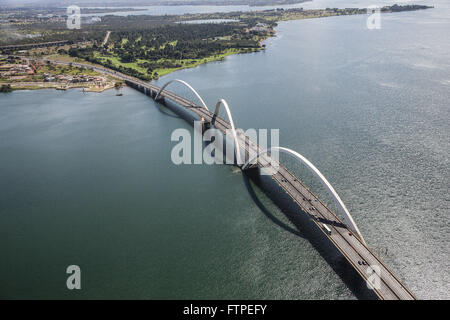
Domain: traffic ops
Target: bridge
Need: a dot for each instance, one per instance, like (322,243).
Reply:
(32,45)
(343,234)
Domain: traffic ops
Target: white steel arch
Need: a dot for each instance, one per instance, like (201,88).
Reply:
(233,129)
(186,85)
(347,217)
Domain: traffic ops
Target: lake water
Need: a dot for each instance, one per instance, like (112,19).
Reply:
(87,179)
(170,10)
(315,4)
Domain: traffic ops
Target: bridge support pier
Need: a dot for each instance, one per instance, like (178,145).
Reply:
(205,125)
(160,99)
(252,172)
(250,169)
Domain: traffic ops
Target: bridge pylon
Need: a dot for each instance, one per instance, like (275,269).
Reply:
(159,98)
(205,125)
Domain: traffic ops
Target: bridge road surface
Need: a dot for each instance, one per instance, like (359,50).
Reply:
(351,247)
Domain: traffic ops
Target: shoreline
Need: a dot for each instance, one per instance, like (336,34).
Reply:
(286,16)
(271,21)
(220,57)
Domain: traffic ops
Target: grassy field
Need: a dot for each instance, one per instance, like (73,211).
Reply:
(116,62)
(58,86)
(67,58)
(66,70)
(51,69)
(191,63)
(185,63)
(23,81)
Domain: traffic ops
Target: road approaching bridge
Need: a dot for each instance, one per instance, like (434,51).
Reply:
(386,286)
(105,41)
(27,46)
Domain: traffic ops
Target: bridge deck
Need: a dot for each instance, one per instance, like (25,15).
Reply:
(351,247)
(33,45)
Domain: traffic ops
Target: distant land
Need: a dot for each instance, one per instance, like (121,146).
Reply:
(141,46)
(120,3)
